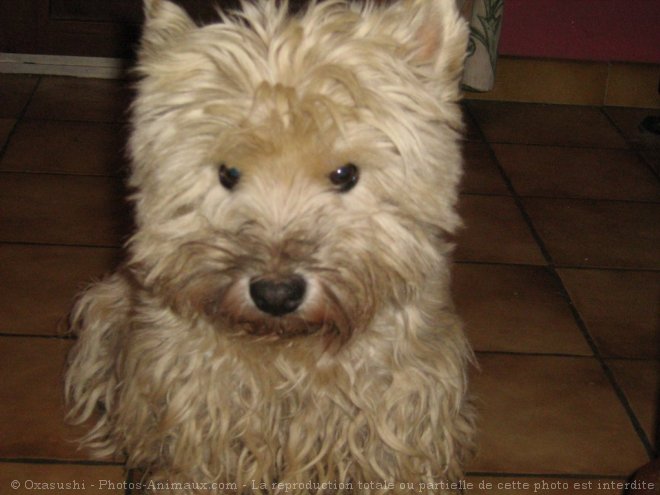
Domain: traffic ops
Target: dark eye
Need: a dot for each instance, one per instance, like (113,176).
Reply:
(345,177)
(229,176)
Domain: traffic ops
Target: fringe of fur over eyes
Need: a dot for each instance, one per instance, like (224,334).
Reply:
(175,386)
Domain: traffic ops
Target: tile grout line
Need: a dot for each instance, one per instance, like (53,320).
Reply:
(45,460)
(558,146)
(102,123)
(58,336)
(108,123)
(567,198)
(19,118)
(128,479)
(534,354)
(608,477)
(515,197)
(120,176)
(566,355)
(609,374)
(608,83)
(560,267)
(630,146)
(62,245)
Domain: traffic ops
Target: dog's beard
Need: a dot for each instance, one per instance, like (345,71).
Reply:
(323,314)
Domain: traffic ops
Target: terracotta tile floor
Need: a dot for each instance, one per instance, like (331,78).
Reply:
(557,278)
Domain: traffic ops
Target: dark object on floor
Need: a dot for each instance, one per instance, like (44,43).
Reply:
(651,124)
(647,480)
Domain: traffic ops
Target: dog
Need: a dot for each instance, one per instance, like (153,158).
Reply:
(282,322)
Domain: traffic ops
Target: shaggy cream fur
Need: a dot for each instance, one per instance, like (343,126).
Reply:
(362,387)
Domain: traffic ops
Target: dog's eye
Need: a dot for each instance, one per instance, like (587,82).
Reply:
(229,176)
(345,177)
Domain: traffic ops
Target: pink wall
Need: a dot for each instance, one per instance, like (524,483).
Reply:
(599,30)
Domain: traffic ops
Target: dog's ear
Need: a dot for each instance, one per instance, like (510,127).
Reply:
(164,23)
(434,37)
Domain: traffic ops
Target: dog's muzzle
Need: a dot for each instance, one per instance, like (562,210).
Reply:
(278,296)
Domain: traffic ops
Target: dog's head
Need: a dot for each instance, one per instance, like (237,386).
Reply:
(294,174)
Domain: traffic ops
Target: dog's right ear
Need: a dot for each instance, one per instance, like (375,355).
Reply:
(164,24)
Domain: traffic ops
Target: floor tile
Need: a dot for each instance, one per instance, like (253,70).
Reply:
(640,381)
(55,209)
(629,120)
(652,157)
(495,231)
(31,400)
(67,147)
(558,125)
(481,173)
(64,98)
(520,485)
(598,233)
(515,309)
(49,276)
(15,92)
(548,414)
(6,125)
(632,85)
(472,132)
(619,308)
(62,478)
(577,172)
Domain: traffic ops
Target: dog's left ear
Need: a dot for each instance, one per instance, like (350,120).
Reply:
(434,37)
(164,24)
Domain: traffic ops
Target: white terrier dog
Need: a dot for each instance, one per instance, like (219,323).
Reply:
(283,321)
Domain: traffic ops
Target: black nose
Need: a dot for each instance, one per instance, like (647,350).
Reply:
(278,296)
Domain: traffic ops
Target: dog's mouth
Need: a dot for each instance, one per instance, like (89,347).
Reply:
(320,314)
(278,327)
(295,325)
